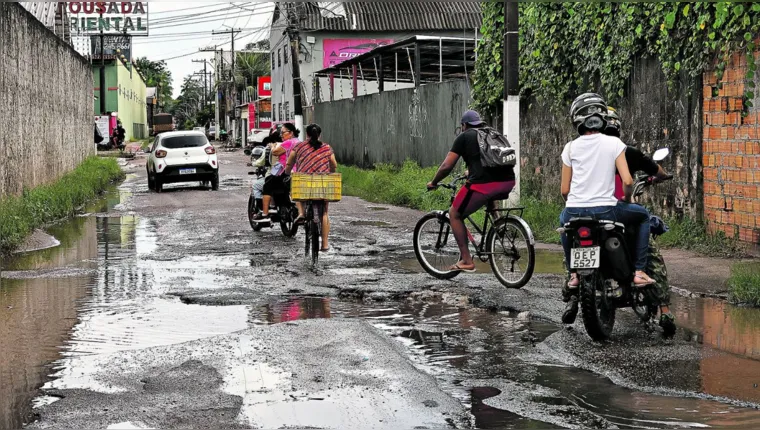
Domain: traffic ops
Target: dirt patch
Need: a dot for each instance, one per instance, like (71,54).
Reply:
(37,241)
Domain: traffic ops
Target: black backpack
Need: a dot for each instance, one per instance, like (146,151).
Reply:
(495,150)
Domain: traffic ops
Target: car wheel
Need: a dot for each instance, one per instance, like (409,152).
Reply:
(157,184)
(215,182)
(151,184)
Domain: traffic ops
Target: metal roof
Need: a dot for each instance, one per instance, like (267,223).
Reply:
(386,15)
(44,11)
(441,58)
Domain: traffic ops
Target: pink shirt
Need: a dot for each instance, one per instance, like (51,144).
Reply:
(288,146)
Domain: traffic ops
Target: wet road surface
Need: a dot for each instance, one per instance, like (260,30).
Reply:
(168,311)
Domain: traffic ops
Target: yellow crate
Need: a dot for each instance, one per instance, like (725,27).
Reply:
(316,187)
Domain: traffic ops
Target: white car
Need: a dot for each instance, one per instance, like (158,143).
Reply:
(257,135)
(182,156)
(201,129)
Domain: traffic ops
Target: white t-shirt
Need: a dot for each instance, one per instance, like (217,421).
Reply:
(592,158)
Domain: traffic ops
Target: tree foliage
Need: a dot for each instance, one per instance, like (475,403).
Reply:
(158,75)
(570,47)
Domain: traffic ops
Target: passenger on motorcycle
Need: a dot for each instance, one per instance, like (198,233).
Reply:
(589,164)
(259,159)
(483,185)
(313,156)
(639,162)
(273,184)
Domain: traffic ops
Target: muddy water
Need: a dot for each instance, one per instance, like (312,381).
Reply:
(96,293)
(466,349)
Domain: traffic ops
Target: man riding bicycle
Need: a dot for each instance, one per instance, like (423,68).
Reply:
(485,185)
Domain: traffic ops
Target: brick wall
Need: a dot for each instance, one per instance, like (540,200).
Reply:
(731,152)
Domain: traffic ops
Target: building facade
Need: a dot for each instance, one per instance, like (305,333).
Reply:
(126,94)
(330,32)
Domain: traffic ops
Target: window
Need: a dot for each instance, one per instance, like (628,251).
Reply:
(274,65)
(285,54)
(279,111)
(279,58)
(287,111)
(184,142)
(274,115)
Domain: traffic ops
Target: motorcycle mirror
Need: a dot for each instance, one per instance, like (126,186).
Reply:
(661,154)
(247,152)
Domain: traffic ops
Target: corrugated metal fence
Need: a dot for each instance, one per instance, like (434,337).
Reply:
(393,126)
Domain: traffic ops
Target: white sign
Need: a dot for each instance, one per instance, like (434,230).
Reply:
(103,123)
(91,18)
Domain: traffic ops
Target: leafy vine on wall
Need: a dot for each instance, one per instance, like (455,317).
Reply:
(570,47)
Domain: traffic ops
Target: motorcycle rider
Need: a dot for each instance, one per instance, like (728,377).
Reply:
(589,165)
(270,143)
(639,162)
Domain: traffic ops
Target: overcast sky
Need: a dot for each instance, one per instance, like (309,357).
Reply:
(201,18)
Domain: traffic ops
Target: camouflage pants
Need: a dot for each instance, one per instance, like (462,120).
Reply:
(655,269)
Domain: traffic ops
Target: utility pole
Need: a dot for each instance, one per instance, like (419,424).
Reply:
(512,85)
(217,60)
(231,91)
(102,74)
(295,41)
(205,82)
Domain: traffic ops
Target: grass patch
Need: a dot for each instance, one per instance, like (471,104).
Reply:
(19,216)
(405,186)
(744,284)
(686,233)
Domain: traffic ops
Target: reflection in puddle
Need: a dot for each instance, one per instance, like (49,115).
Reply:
(735,332)
(455,343)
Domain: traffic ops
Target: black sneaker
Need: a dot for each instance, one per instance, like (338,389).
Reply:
(571,311)
(668,324)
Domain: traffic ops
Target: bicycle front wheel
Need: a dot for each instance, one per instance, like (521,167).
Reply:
(435,246)
(513,258)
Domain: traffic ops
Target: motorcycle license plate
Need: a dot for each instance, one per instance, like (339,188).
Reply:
(186,171)
(585,258)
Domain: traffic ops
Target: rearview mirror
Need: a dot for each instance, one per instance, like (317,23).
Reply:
(661,154)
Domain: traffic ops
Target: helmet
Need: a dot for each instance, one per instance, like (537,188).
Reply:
(257,152)
(589,112)
(613,123)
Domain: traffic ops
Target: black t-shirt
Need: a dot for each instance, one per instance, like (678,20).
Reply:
(638,162)
(466,146)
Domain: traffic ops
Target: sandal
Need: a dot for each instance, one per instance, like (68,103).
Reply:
(647,281)
(324,250)
(458,268)
(300,220)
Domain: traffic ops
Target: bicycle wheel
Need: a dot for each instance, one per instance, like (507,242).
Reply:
(435,247)
(513,258)
(316,232)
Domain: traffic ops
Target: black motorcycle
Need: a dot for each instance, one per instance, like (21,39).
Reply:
(284,211)
(603,254)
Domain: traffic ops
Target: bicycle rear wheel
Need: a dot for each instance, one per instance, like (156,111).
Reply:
(513,258)
(316,232)
(435,246)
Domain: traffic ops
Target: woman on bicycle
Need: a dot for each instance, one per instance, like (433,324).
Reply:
(273,183)
(313,157)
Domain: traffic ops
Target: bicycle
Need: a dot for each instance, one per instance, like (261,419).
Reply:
(313,228)
(503,232)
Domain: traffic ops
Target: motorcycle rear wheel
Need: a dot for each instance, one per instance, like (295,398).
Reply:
(253,209)
(597,310)
(287,219)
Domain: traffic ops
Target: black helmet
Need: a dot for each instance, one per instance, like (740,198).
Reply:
(613,123)
(588,112)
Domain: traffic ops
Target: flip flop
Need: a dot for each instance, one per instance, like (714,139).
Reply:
(325,250)
(646,284)
(457,268)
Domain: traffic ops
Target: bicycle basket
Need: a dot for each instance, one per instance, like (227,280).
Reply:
(316,187)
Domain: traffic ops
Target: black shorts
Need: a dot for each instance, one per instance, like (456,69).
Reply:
(273,185)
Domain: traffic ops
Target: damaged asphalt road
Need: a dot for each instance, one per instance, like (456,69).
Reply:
(196,321)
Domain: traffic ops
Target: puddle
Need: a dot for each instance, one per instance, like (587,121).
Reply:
(365,223)
(457,344)
(547,262)
(94,294)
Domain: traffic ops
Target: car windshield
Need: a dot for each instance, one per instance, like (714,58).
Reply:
(183,142)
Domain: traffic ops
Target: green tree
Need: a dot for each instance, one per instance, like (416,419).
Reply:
(157,75)
(249,66)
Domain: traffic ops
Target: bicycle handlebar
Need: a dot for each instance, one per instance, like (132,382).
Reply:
(451,185)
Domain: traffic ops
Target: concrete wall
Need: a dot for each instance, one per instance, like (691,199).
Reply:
(393,126)
(732,152)
(652,118)
(45,103)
